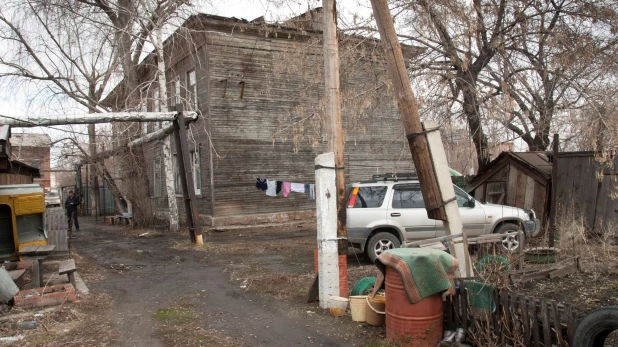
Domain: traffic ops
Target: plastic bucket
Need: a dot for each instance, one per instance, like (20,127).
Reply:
(375,313)
(358,308)
(338,306)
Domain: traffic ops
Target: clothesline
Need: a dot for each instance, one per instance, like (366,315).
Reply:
(273,188)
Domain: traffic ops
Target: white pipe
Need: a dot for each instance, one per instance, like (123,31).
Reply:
(92,118)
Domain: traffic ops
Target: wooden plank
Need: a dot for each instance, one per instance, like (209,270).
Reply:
(45,249)
(522,247)
(521,189)
(534,321)
(546,323)
(525,319)
(464,308)
(568,269)
(16,274)
(516,323)
(557,323)
(28,250)
(511,186)
(66,266)
(529,192)
(571,321)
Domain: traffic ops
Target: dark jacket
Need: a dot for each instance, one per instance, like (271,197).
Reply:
(71,203)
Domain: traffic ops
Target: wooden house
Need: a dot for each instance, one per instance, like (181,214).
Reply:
(259,88)
(520,179)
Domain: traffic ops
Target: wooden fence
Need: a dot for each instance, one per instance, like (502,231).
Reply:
(512,319)
(585,187)
(56,227)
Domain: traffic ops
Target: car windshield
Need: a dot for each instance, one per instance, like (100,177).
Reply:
(51,195)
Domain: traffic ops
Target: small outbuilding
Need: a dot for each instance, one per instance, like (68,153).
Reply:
(520,179)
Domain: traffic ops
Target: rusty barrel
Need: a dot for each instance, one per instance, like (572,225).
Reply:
(416,325)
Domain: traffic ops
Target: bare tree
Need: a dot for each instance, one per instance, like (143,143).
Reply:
(86,47)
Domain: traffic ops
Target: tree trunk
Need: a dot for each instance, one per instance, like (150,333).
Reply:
(472,111)
(92,177)
(167,148)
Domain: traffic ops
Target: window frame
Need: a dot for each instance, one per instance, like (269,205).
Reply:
(157,187)
(192,90)
(196,170)
(402,187)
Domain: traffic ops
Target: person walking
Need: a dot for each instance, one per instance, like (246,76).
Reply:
(71,206)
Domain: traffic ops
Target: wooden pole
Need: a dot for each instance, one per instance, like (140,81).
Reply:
(188,189)
(554,181)
(333,114)
(408,109)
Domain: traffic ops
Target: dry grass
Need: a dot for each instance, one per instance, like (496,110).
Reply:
(181,325)
(78,324)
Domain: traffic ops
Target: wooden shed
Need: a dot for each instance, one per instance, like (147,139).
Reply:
(520,179)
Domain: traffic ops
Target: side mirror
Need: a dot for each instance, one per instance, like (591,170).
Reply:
(471,202)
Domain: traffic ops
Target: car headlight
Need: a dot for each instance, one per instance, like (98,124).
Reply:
(530,213)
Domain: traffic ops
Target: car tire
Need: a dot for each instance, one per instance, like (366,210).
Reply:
(381,242)
(596,326)
(511,243)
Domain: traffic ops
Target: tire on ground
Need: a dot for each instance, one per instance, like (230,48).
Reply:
(596,326)
(381,237)
(363,285)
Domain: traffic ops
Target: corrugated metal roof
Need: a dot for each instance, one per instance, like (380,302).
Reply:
(30,140)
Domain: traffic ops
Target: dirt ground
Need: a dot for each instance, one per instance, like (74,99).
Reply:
(244,287)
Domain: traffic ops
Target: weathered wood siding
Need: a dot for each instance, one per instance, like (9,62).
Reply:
(56,227)
(267,119)
(587,189)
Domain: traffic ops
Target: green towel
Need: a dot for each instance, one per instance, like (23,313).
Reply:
(424,271)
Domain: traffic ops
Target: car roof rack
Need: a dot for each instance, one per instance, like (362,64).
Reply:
(396,176)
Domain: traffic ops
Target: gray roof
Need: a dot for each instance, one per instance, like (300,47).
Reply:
(30,140)
(5,132)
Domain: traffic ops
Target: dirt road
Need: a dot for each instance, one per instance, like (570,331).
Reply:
(245,287)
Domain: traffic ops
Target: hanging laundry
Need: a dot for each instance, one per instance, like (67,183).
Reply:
(312,191)
(286,189)
(279,186)
(260,184)
(307,186)
(271,189)
(297,187)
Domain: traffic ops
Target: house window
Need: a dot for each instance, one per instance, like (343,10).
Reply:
(192,90)
(157,177)
(177,181)
(195,169)
(177,91)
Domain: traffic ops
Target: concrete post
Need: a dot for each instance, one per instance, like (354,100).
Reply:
(452,224)
(326,211)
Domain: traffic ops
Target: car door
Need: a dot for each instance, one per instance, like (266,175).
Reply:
(471,213)
(407,211)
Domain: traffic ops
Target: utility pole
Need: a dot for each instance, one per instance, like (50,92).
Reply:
(335,134)
(436,187)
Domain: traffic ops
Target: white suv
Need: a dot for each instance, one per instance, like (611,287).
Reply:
(385,212)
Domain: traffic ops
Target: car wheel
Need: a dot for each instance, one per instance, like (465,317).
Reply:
(594,329)
(511,242)
(381,242)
